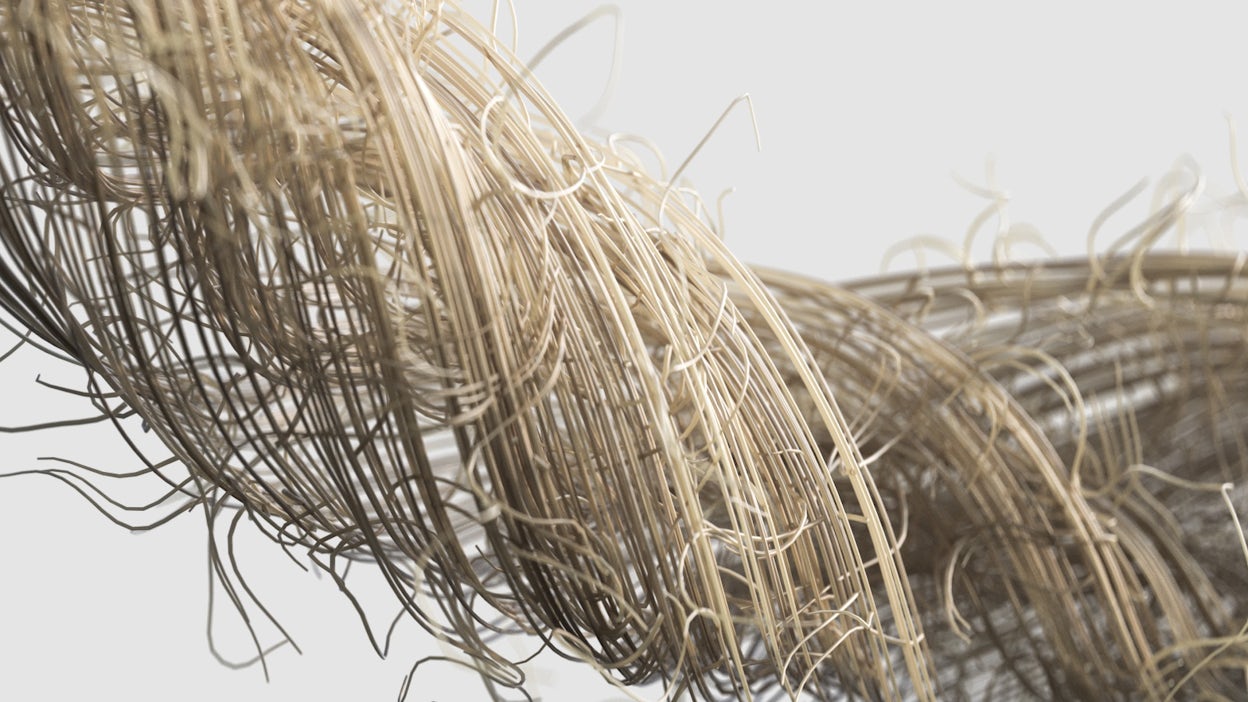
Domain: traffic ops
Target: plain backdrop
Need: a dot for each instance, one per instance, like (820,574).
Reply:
(865,111)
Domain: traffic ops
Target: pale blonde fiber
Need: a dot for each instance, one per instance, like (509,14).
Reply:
(367,282)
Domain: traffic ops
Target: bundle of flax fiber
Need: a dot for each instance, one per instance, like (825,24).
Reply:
(367,283)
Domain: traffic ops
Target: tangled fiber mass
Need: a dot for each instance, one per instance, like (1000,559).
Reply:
(371,288)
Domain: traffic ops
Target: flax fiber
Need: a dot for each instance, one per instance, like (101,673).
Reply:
(371,288)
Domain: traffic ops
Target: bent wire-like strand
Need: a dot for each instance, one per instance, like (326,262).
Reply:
(370,287)
(361,285)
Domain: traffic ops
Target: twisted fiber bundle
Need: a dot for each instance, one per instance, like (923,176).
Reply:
(362,277)
(1057,387)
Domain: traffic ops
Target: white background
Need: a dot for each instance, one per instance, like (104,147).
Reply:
(865,111)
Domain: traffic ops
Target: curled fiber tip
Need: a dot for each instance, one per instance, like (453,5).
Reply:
(373,291)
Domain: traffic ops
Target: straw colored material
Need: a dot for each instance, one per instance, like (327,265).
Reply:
(368,284)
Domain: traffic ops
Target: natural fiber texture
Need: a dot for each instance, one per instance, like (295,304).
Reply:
(362,277)
(1061,457)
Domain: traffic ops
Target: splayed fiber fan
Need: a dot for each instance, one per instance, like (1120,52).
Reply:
(365,281)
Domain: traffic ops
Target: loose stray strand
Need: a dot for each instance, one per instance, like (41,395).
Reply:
(376,296)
